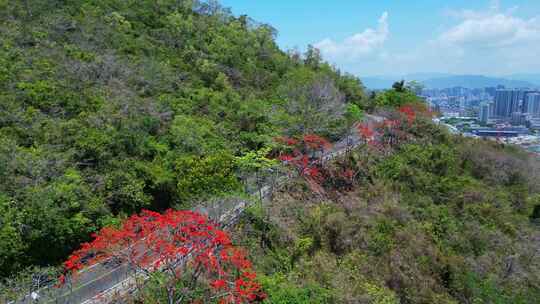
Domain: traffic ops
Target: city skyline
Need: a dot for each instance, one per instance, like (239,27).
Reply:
(494,38)
(491,106)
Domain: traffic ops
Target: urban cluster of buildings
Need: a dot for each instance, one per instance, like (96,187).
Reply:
(509,115)
(517,106)
(491,106)
(458,101)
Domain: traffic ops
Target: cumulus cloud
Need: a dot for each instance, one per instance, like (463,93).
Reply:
(357,45)
(495,40)
(491,29)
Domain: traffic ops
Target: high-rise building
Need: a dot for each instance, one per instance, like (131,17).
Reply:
(491,91)
(519,118)
(462,103)
(483,114)
(531,104)
(524,97)
(508,102)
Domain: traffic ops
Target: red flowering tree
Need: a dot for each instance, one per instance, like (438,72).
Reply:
(366,132)
(305,156)
(387,134)
(409,112)
(378,135)
(392,133)
(184,247)
(414,110)
(286,140)
(316,143)
(381,136)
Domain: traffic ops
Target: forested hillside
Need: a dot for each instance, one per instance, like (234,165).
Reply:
(415,215)
(107,107)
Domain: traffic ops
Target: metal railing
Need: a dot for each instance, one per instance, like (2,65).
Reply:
(104,280)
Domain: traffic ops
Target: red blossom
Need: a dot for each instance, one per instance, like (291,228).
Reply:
(222,238)
(316,142)
(218,284)
(348,173)
(390,124)
(286,140)
(61,281)
(409,112)
(313,173)
(156,242)
(286,158)
(366,132)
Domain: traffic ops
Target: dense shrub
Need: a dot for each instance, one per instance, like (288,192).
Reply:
(432,219)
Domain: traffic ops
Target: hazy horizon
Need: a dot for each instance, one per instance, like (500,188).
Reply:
(442,74)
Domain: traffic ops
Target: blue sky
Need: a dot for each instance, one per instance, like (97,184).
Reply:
(396,37)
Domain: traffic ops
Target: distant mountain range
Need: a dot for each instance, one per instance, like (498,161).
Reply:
(441,81)
(533,78)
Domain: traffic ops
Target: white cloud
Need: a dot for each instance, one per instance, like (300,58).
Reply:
(495,40)
(492,29)
(357,45)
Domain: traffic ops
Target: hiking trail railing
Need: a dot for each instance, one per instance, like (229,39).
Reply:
(105,281)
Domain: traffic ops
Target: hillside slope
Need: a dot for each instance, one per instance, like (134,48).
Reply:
(432,218)
(108,107)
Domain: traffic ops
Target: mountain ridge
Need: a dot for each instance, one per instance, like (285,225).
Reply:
(448,80)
